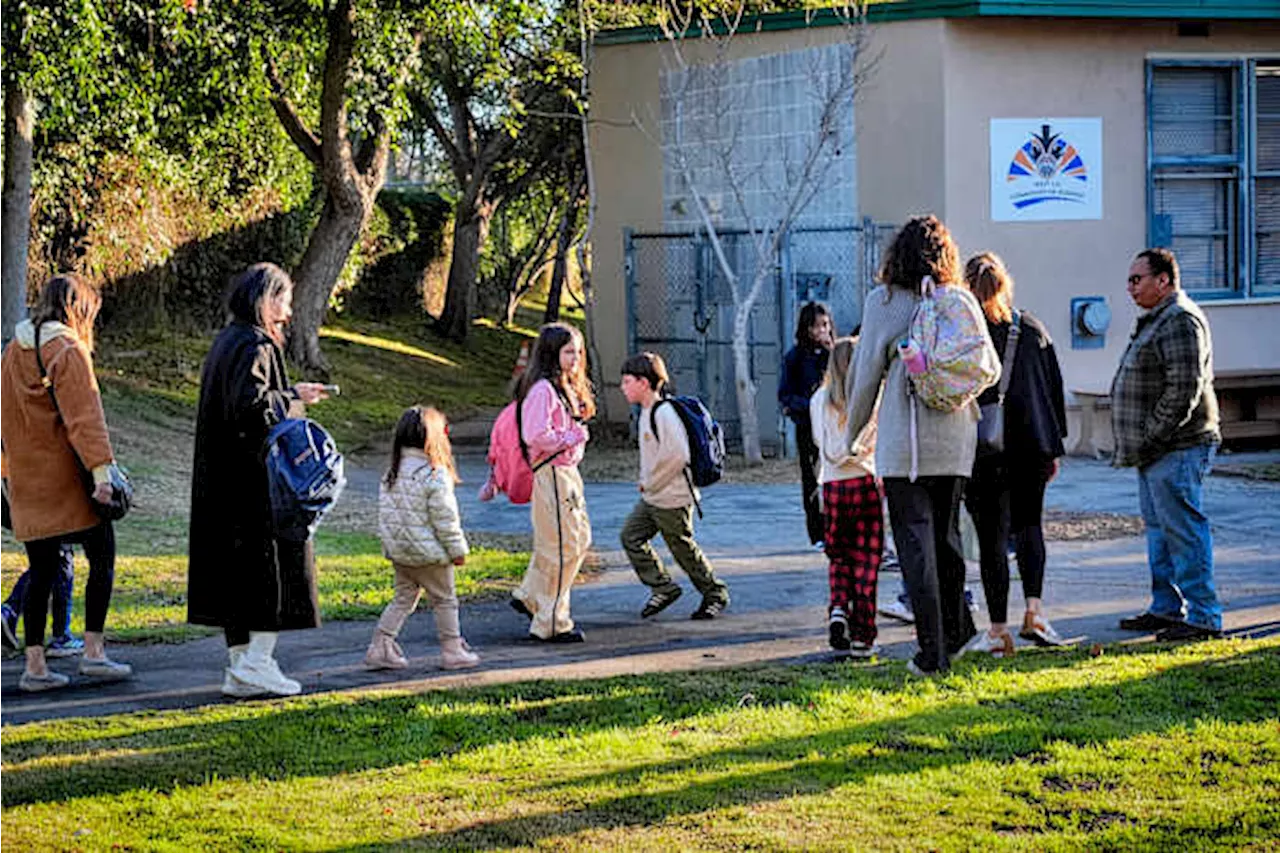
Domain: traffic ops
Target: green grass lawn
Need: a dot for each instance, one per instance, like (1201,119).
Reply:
(1142,748)
(149,603)
(382,369)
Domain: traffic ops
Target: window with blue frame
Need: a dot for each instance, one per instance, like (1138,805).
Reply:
(1213,172)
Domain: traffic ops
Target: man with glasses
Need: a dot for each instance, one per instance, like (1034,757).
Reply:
(1164,415)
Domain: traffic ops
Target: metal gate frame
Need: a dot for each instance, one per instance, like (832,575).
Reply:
(783,298)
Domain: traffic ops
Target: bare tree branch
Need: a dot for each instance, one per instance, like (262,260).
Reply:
(294,127)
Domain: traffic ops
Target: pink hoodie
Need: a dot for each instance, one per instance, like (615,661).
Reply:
(547,426)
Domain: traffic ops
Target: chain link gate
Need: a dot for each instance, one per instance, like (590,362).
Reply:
(680,306)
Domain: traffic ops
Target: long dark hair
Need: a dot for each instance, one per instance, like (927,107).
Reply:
(422,428)
(72,301)
(544,363)
(923,247)
(809,315)
(991,284)
(252,289)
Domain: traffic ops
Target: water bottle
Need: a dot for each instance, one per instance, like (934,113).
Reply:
(912,356)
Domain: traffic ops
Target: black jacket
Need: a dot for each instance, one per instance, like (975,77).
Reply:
(802,372)
(239,574)
(1035,417)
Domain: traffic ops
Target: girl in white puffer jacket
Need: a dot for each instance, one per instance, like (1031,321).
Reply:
(422,536)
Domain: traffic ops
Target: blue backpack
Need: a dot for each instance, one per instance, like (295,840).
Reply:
(304,476)
(706,441)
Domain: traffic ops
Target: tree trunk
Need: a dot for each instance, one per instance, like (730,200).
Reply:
(745,385)
(559,272)
(327,251)
(470,229)
(15,218)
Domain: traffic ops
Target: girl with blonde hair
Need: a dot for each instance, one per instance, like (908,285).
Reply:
(853,525)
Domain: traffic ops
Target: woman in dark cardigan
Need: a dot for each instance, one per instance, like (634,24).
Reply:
(803,368)
(1006,492)
(241,577)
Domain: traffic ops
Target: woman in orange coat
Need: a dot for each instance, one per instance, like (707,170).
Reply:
(44,449)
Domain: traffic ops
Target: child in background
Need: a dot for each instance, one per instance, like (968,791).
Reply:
(801,374)
(667,496)
(422,536)
(854,525)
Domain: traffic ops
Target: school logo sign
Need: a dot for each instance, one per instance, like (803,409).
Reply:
(1046,169)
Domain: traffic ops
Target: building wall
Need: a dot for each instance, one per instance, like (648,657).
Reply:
(1066,68)
(628,165)
(922,143)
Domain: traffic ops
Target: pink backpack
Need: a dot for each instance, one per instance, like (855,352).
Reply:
(510,472)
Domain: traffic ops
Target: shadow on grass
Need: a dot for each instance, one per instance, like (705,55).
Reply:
(324,737)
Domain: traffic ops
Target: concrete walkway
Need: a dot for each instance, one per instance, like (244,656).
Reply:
(755,537)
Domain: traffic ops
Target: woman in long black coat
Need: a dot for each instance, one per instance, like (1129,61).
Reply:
(241,577)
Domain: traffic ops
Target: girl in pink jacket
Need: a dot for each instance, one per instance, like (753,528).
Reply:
(555,402)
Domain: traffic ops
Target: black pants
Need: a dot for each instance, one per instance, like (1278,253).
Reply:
(45,557)
(809,479)
(1006,497)
(925,516)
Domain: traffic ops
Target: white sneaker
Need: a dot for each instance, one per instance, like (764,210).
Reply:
(237,689)
(898,610)
(51,680)
(265,675)
(105,667)
(999,646)
(1037,629)
(863,651)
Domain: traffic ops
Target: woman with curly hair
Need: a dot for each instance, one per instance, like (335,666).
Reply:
(924,509)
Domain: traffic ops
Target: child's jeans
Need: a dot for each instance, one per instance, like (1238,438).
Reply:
(60,601)
(410,583)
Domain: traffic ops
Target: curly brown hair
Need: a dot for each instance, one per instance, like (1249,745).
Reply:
(923,247)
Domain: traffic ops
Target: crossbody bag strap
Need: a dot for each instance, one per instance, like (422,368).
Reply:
(44,375)
(1010,354)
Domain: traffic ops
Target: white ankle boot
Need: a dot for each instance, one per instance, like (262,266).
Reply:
(456,654)
(257,671)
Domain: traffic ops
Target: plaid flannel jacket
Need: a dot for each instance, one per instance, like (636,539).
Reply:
(1162,396)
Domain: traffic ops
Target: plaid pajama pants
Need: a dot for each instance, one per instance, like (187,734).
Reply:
(854,541)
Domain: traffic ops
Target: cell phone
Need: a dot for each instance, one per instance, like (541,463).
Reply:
(331,389)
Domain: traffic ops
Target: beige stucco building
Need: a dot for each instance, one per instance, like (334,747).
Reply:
(1184,97)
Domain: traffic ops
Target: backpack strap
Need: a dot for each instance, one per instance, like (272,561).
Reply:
(653,427)
(44,374)
(1010,354)
(524,448)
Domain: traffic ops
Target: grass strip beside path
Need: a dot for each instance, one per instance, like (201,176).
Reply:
(1142,748)
(149,602)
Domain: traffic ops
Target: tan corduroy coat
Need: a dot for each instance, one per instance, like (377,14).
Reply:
(47,496)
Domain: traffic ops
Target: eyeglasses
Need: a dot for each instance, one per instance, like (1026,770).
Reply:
(1134,279)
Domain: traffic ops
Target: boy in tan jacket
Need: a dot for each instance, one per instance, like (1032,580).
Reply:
(667,496)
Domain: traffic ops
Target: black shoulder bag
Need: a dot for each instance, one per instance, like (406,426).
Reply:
(121,486)
(991,427)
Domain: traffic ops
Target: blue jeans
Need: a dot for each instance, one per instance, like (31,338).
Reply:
(61,599)
(1179,542)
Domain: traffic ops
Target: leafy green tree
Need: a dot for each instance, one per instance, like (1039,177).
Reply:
(54,56)
(338,76)
(500,79)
